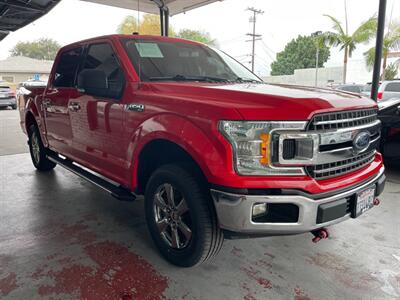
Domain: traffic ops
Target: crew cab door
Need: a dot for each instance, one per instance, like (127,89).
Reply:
(97,120)
(56,99)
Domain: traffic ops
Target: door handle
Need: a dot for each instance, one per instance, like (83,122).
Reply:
(73,106)
(46,102)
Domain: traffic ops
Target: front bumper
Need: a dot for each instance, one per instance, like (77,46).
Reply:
(235,210)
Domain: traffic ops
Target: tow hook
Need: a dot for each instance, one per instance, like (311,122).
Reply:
(320,234)
(377,201)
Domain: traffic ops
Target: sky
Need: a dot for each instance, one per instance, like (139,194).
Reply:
(227,21)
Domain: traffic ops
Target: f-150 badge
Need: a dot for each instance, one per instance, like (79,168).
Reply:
(134,107)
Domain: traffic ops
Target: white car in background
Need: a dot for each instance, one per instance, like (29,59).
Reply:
(388,89)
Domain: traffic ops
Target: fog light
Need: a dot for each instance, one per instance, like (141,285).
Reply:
(259,209)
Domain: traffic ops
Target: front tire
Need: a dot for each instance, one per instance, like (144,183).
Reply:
(38,151)
(180,216)
(14,107)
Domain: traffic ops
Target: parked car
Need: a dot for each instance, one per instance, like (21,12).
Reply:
(353,88)
(216,152)
(387,90)
(389,114)
(7,96)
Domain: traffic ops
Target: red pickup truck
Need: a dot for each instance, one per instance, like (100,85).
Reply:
(216,152)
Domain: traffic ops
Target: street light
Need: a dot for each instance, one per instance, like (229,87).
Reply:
(316,35)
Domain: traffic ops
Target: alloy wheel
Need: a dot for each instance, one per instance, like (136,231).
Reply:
(172,217)
(35,147)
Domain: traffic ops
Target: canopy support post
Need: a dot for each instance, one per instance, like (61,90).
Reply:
(164,17)
(378,49)
(162,22)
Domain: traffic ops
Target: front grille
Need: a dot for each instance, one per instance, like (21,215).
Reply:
(344,119)
(324,171)
(289,149)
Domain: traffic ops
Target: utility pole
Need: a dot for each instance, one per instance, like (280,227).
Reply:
(316,35)
(255,37)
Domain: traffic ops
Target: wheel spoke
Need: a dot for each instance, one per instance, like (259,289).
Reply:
(162,225)
(169,190)
(185,230)
(159,201)
(175,238)
(182,207)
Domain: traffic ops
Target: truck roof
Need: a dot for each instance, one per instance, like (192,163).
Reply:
(131,36)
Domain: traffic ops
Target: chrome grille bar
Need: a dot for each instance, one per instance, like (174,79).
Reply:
(324,171)
(344,119)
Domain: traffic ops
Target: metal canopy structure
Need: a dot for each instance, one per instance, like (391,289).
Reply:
(152,6)
(165,8)
(15,14)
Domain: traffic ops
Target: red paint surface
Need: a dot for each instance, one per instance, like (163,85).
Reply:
(117,274)
(237,252)
(299,294)
(8,284)
(255,274)
(184,113)
(249,295)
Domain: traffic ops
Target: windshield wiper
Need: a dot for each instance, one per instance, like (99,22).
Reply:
(247,80)
(189,78)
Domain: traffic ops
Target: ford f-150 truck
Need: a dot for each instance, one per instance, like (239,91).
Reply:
(216,152)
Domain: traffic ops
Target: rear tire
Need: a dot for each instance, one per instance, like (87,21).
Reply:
(194,222)
(38,151)
(14,107)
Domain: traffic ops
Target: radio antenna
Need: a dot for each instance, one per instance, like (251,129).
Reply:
(138,29)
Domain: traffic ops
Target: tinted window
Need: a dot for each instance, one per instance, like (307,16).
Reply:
(367,88)
(67,67)
(393,87)
(158,60)
(101,57)
(351,88)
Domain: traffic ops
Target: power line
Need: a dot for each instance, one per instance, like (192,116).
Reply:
(255,37)
(268,51)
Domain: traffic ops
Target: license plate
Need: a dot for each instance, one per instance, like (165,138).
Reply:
(365,201)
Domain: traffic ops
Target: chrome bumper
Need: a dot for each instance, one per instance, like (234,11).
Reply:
(235,211)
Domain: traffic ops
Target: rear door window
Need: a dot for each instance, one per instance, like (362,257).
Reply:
(67,67)
(393,87)
(102,57)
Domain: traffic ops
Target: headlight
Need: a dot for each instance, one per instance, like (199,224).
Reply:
(255,144)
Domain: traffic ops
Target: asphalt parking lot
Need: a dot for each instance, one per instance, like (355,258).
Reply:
(63,238)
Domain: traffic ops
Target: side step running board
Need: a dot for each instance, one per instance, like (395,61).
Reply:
(116,191)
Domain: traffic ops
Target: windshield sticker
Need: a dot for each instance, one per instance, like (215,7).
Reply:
(149,50)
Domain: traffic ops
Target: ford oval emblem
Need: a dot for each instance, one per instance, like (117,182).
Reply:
(361,141)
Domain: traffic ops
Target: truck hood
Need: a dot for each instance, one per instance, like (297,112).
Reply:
(266,101)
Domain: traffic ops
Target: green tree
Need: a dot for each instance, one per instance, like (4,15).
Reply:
(391,71)
(391,42)
(44,49)
(148,25)
(198,36)
(300,53)
(340,37)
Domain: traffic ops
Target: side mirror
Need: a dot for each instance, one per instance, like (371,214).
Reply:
(93,82)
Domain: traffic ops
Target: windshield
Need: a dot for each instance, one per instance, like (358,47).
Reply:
(177,61)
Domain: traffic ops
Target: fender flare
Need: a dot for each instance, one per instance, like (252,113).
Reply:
(210,155)
(31,108)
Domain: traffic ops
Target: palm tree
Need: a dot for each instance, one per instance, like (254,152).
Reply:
(391,42)
(340,37)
